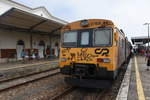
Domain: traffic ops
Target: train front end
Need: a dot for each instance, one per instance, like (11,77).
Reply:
(87,52)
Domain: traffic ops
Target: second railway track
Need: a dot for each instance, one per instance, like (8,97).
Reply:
(50,85)
(28,78)
(63,93)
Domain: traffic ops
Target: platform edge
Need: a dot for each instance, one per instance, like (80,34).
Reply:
(123,91)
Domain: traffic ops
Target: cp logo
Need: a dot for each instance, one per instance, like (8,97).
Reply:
(103,51)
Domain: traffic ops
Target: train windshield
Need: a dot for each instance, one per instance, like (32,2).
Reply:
(84,38)
(70,38)
(88,38)
(102,37)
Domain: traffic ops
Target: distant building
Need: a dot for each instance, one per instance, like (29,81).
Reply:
(33,30)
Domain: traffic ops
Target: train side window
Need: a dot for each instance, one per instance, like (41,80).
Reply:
(120,42)
(123,43)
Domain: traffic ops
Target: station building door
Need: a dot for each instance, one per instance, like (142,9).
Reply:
(20,47)
(41,49)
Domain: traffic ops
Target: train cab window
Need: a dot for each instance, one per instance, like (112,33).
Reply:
(70,38)
(103,37)
(84,38)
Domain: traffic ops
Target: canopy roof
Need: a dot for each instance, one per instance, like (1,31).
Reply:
(19,20)
(140,39)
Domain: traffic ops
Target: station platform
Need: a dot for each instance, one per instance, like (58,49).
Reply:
(136,82)
(19,69)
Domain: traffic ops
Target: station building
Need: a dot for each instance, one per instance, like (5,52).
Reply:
(27,29)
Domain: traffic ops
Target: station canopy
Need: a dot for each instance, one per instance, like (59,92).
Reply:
(19,20)
(140,40)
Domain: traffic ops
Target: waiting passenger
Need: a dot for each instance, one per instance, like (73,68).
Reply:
(23,55)
(26,55)
(148,60)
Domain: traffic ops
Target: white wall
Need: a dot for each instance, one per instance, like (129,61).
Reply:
(8,39)
(37,38)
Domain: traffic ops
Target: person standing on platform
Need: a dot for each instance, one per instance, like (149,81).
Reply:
(148,60)
(23,55)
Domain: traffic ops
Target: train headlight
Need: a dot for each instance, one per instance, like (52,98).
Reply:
(99,60)
(63,59)
(106,60)
(103,60)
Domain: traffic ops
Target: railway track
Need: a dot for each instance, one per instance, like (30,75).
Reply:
(4,85)
(62,94)
(92,94)
(80,94)
(101,95)
(44,87)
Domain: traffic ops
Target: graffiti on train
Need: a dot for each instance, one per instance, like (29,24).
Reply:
(84,55)
(65,51)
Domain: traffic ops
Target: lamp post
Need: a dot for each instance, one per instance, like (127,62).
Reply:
(148,32)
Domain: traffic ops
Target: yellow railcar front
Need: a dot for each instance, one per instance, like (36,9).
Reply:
(90,49)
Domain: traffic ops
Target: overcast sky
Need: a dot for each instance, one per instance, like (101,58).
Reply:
(129,15)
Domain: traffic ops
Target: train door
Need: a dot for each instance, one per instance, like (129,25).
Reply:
(41,49)
(20,47)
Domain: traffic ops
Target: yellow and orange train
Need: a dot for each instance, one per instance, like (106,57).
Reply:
(91,51)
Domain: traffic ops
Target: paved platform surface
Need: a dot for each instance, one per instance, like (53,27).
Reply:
(138,86)
(132,92)
(19,69)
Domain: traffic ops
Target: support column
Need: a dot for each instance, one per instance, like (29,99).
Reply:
(0,54)
(31,45)
(50,42)
(31,41)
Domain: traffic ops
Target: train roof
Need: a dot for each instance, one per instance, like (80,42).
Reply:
(89,23)
(92,20)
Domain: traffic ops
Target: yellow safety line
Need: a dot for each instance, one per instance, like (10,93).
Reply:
(140,91)
(25,65)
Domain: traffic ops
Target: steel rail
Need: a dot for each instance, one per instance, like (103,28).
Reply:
(64,93)
(12,83)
